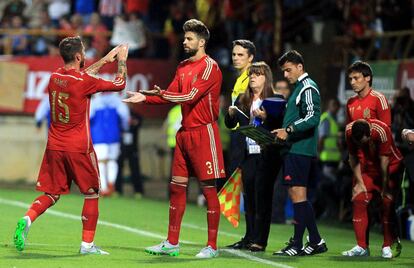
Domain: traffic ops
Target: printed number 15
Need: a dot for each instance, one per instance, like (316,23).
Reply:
(64,118)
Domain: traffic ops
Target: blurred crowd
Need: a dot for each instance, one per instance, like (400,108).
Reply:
(360,18)
(153,28)
(357,22)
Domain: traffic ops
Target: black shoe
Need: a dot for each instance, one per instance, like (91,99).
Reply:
(312,249)
(289,250)
(242,244)
(256,248)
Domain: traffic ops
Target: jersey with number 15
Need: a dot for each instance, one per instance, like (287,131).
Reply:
(69,97)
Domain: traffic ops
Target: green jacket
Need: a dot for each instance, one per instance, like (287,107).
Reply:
(303,112)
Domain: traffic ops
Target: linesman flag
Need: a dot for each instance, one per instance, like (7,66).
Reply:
(229,198)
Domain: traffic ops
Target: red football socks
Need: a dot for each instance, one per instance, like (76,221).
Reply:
(387,221)
(90,215)
(213,215)
(178,198)
(360,218)
(40,205)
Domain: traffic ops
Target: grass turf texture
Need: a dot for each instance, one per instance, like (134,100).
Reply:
(129,225)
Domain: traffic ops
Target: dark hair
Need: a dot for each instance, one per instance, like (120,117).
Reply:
(361,67)
(360,128)
(247,44)
(69,46)
(198,28)
(262,68)
(291,56)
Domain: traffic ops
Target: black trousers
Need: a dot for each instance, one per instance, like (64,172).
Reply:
(249,167)
(131,154)
(280,195)
(270,165)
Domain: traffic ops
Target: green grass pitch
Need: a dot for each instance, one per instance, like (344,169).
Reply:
(127,226)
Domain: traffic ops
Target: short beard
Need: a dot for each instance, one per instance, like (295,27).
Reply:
(190,52)
(359,91)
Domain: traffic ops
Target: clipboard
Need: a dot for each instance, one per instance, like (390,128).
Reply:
(257,133)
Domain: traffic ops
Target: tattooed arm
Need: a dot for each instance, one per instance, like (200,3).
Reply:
(110,57)
(122,57)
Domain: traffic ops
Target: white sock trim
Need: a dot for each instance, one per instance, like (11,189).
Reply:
(29,221)
(86,244)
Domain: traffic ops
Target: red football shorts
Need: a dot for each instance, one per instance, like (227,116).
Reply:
(60,168)
(373,179)
(198,153)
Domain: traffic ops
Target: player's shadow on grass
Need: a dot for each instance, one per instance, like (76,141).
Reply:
(156,259)
(123,248)
(226,253)
(358,259)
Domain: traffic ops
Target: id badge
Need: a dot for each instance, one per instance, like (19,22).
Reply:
(127,138)
(254,149)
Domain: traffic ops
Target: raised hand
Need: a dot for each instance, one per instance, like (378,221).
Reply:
(108,58)
(123,53)
(112,55)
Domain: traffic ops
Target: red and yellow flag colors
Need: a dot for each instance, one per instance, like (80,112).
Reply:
(229,198)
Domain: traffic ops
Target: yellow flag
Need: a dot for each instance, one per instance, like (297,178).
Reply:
(229,198)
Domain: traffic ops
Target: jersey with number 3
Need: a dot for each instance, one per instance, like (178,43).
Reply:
(69,97)
(196,86)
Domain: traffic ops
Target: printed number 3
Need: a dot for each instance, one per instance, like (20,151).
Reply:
(64,118)
(210,168)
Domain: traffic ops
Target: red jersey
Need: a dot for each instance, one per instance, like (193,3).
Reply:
(373,106)
(69,98)
(380,144)
(196,86)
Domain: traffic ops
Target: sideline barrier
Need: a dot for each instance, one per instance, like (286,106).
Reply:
(142,74)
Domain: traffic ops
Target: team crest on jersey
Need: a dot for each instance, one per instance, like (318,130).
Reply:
(367,113)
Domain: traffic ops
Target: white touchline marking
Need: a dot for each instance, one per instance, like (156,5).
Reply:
(104,223)
(196,227)
(71,246)
(254,258)
(141,232)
